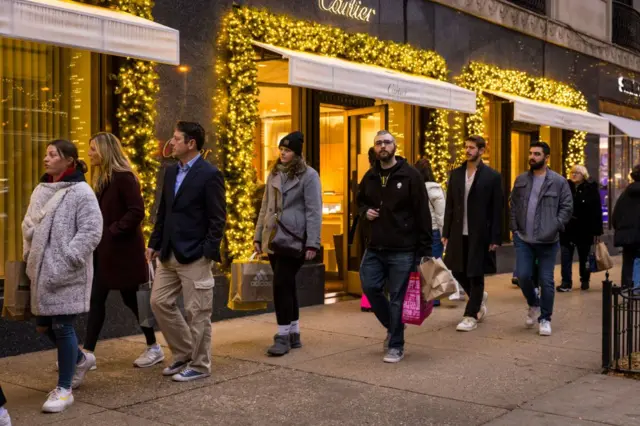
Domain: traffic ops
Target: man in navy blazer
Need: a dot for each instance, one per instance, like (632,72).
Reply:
(186,239)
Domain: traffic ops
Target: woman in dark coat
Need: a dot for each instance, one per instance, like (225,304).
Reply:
(120,257)
(626,223)
(585,225)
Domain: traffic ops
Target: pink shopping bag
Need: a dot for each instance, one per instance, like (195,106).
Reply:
(364,303)
(415,309)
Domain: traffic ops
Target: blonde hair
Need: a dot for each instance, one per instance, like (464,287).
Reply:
(113,160)
(579,168)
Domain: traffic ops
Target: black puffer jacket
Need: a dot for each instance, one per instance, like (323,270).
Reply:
(626,218)
(586,221)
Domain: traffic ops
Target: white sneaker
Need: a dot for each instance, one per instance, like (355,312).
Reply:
(82,369)
(94,368)
(532,316)
(150,357)
(467,324)
(545,328)
(58,400)
(5,419)
(483,307)
(457,297)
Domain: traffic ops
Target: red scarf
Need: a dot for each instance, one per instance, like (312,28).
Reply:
(66,173)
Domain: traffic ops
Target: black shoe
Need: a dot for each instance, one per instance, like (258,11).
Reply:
(515,281)
(294,339)
(281,345)
(366,309)
(584,285)
(564,287)
(436,302)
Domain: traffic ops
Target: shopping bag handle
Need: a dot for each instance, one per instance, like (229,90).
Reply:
(252,258)
(152,273)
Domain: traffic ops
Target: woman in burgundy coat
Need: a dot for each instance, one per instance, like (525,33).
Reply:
(120,257)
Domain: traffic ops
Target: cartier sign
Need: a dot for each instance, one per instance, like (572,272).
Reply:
(348,8)
(628,86)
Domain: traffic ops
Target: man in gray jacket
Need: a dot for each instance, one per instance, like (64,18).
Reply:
(541,206)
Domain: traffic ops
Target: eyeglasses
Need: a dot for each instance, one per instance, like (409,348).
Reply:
(384,142)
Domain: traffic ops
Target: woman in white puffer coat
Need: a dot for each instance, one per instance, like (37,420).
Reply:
(60,231)
(437,202)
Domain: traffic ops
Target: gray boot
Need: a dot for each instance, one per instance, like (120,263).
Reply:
(281,346)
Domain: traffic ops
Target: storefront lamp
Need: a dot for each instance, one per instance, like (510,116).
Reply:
(184,69)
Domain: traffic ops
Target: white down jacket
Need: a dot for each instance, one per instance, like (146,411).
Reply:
(437,202)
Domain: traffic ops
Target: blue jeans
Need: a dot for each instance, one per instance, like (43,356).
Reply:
(526,253)
(377,267)
(437,249)
(60,331)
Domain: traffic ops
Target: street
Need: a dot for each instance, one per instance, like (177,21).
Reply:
(500,374)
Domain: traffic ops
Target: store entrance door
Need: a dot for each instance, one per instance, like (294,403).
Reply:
(362,126)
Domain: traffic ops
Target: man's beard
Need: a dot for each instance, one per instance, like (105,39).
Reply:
(389,157)
(536,165)
(473,158)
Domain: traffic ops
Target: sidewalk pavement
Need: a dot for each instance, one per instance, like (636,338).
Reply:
(500,374)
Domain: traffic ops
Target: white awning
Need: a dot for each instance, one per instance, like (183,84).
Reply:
(626,125)
(337,75)
(548,114)
(70,24)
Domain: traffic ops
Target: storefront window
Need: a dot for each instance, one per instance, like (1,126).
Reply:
(621,167)
(603,178)
(45,94)
(274,109)
(332,174)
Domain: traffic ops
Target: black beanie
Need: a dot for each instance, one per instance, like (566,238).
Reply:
(293,141)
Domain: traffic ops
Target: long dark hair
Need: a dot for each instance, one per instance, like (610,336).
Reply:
(297,166)
(68,150)
(424,167)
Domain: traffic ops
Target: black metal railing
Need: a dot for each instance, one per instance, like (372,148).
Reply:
(620,328)
(538,6)
(625,30)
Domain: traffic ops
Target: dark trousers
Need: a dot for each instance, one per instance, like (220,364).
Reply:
(567,250)
(60,331)
(393,268)
(285,295)
(3,399)
(98,311)
(473,286)
(629,254)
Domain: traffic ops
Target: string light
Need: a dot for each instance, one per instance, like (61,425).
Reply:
(137,86)
(480,77)
(236,99)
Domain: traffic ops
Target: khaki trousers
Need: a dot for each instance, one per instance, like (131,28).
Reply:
(190,339)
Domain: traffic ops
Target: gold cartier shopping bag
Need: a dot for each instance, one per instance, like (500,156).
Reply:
(251,285)
(17,292)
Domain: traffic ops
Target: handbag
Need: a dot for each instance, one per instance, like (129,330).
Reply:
(143,295)
(17,292)
(415,309)
(284,241)
(437,280)
(603,259)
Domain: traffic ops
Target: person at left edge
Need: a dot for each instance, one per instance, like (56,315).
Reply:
(186,239)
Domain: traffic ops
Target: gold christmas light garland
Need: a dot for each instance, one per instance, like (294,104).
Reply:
(236,100)
(479,77)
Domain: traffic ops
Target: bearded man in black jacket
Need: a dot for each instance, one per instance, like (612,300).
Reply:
(393,198)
